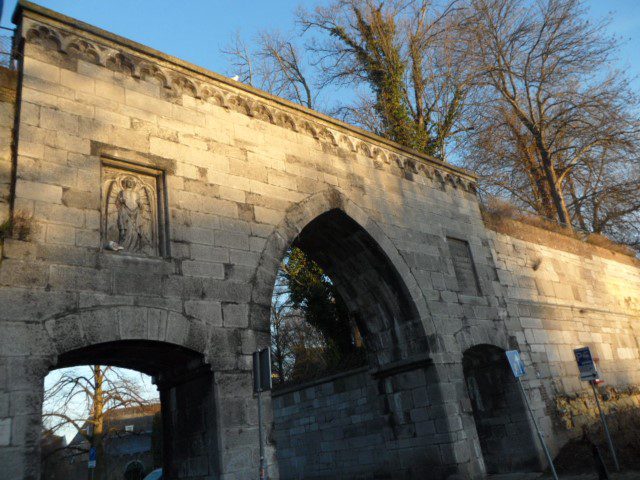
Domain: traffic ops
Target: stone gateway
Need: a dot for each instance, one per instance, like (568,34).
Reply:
(146,206)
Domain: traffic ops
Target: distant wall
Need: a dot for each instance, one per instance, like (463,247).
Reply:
(560,294)
(333,425)
(8,86)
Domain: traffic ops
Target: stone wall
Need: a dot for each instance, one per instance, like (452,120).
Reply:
(161,199)
(8,92)
(579,410)
(224,178)
(333,425)
(560,294)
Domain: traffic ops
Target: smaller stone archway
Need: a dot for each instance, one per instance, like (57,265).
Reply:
(504,433)
(91,326)
(185,383)
(166,345)
(134,470)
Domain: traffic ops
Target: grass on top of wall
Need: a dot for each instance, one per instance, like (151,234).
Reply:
(497,212)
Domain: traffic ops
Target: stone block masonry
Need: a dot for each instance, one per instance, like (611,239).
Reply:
(160,200)
(8,92)
(561,294)
(334,425)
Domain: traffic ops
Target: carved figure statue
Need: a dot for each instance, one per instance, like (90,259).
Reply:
(132,221)
(130,215)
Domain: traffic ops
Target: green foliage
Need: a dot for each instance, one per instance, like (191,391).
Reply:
(381,57)
(5,229)
(315,295)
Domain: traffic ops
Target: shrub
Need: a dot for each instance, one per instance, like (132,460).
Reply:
(494,211)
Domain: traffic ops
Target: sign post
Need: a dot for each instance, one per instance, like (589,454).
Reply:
(261,382)
(589,373)
(92,460)
(517,367)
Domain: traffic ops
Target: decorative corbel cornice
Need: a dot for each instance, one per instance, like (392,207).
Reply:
(177,80)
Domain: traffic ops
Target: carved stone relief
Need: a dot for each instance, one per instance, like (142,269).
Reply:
(130,218)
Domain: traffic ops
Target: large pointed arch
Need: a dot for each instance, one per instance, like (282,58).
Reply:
(313,222)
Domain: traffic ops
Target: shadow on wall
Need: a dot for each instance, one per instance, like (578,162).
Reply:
(499,411)
(579,413)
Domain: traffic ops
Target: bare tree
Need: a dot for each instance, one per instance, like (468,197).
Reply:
(604,197)
(395,60)
(556,131)
(398,50)
(241,60)
(274,64)
(520,91)
(84,402)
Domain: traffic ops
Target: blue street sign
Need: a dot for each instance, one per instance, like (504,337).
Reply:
(586,364)
(92,457)
(515,362)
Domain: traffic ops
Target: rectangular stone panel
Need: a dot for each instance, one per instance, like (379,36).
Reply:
(463,266)
(133,209)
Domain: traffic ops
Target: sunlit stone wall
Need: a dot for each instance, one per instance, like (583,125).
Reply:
(562,294)
(160,199)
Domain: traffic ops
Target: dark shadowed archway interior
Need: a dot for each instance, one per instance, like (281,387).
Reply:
(185,384)
(499,411)
(371,421)
(369,283)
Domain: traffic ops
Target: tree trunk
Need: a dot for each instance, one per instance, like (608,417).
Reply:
(98,424)
(537,180)
(555,188)
(577,210)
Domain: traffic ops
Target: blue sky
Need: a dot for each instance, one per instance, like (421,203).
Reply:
(78,406)
(195,30)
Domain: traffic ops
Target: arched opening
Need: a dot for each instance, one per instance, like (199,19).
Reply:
(372,420)
(132,429)
(368,283)
(499,412)
(134,470)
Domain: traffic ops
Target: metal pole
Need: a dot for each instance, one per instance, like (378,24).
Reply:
(542,442)
(91,470)
(263,467)
(606,427)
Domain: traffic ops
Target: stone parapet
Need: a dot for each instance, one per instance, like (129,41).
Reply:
(177,77)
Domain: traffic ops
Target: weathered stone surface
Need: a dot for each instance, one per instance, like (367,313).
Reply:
(242,176)
(5,432)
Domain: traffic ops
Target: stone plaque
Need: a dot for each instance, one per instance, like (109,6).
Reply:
(463,266)
(131,211)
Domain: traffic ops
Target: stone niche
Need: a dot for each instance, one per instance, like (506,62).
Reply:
(133,209)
